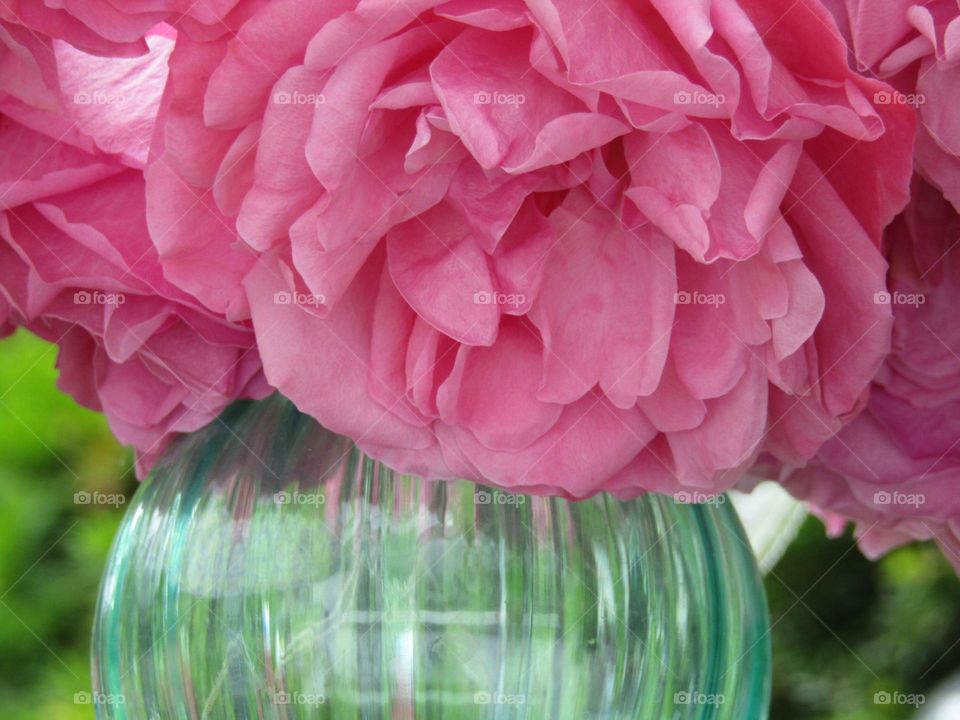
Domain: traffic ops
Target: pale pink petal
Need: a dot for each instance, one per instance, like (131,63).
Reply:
(599,325)
(512,419)
(443,274)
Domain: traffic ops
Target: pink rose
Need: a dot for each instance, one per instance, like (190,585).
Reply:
(559,247)
(78,268)
(916,46)
(108,27)
(896,469)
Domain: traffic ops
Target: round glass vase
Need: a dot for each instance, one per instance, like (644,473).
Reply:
(268,569)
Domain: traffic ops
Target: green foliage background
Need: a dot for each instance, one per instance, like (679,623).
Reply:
(52,550)
(843,628)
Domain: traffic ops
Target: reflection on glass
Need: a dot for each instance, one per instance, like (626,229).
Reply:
(269,569)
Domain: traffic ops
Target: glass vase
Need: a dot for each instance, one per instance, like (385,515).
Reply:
(267,568)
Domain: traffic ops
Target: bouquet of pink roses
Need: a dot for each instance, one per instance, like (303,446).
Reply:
(562,247)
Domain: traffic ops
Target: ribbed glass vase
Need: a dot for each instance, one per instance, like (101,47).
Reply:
(268,569)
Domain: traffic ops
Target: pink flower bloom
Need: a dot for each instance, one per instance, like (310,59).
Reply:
(558,247)
(896,468)
(107,27)
(917,47)
(78,268)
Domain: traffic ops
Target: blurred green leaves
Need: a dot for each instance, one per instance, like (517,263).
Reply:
(52,550)
(846,628)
